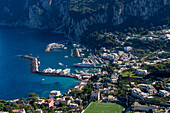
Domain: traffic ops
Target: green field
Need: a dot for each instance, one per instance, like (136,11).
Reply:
(104,108)
(130,74)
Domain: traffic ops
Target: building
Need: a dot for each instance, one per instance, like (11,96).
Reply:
(149,88)
(40,101)
(19,111)
(136,92)
(73,105)
(166,37)
(38,111)
(95,95)
(164,93)
(49,102)
(141,72)
(128,48)
(143,108)
(54,93)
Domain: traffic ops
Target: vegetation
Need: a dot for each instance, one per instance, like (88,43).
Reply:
(159,69)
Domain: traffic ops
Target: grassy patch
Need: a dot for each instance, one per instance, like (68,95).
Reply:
(127,73)
(104,108)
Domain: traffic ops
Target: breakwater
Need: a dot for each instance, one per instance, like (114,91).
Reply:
(33,63)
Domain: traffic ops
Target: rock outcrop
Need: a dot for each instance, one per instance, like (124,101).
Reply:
(57,16)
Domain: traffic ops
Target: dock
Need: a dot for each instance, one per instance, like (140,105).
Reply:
(57,75)
(77,52)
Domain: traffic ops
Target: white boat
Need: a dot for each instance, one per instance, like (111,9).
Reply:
(58,70)
(65,72)
(60,64)
(43,79)
(65,56)
(84,65)
(65,47)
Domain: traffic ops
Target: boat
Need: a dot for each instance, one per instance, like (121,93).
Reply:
(43,79)
(65,71)
(58,70)
(60,64)
(65,56)
(65,47)
(84,64)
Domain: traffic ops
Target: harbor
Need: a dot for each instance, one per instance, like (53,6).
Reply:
(34,68)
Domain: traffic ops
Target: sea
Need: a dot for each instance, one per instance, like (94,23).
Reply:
(16,81)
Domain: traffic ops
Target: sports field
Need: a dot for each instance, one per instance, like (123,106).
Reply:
(104,108)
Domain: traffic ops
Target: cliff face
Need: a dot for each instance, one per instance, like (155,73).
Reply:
(62,15)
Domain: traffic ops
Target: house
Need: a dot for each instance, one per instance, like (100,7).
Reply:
(58,101)
(40,101)
(114,78)
(58,112)
(98,84)
(79,87)
(73,105)
(143,108)
(19,110)
(149,88)
(102,73)
(167,86)
(38,111)
(95,95)
(164,93)
(54,93)
(150,38)
(83,83)
(141,72)
(49,102)
(132,83)
(138,93)
(111,98)
(166,37)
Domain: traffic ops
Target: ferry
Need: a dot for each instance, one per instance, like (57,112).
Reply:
(88,65)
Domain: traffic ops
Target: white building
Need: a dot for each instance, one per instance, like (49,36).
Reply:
(128,48)
(141,72)
(38,111)
(95,95)
(149,88)
(54,93)
(166,37)
(73,105)
(164,93)
(138,93)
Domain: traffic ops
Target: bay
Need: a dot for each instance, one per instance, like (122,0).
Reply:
(16,81)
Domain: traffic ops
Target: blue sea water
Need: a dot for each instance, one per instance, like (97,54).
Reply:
(16,81)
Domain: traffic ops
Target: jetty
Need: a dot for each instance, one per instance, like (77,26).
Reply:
(77,52)
(34,65)
(34,68)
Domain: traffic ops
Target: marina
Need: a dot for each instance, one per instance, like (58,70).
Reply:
(34,67)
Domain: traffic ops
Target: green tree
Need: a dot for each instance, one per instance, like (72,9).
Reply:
(1,106)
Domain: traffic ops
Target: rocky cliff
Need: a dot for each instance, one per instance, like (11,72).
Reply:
(73,17)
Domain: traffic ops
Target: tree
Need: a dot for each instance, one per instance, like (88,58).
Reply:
(1,106)
(33,95)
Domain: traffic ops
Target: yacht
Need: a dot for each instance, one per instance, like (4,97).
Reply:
(84,65)
(65,72)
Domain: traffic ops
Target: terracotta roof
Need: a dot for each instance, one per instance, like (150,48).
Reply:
(49,100)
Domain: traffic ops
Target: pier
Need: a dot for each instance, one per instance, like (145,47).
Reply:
(77,52)
(33,63)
